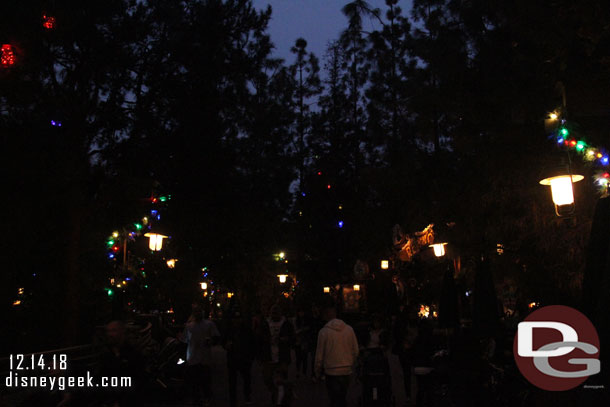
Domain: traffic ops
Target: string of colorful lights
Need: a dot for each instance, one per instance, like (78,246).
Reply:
(594,155)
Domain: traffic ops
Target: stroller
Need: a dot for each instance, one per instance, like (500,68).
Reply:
(376,380)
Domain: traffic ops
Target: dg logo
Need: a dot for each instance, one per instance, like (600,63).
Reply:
(556,348)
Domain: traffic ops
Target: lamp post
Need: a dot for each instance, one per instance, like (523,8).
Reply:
(560,179)
(439,249)
(155,242)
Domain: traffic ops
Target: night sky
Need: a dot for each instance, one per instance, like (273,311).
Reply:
(318,21)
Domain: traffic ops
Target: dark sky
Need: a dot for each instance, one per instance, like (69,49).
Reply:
(318,21)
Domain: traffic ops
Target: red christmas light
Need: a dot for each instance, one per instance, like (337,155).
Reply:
(606,175)
(115,248)
(328,186)
(319,172)
(48,22)
(7,56)
(573,143)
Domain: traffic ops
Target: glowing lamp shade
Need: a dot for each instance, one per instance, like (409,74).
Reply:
(156,241)
(326,290)
(439,249)
(356,287)
(562,192)
(385,264)
(282,277)
(561,188)
(204,286)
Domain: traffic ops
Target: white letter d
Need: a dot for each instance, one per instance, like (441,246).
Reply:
(526,341)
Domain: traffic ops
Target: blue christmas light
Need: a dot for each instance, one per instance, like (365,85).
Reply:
(605,160)
(111,255)
(154,212)
(55,123)
(560,140)
(340,224)
(303,194)
(128,278)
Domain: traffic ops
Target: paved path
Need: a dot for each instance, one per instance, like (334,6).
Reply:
(308,394)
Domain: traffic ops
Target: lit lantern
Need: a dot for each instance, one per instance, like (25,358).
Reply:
(171,263)
(204,286)
(356,287)
(562,191)
(282,277)
(424,311)
(156,241)
(439,249)
(385,264)
(326,290)
(7,56)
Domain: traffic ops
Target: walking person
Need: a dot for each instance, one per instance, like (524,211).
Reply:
(302,325)
(238,341)
(336,354)
(276,339)
(405,335)
(199,333)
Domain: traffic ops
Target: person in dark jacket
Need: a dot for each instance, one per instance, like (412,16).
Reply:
(120,359)
(276,339)
(238,341)
(303,327)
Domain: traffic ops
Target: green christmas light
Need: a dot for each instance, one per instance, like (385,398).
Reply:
(580,145)
(110,243)
(110,292)
(163,199)
(138,226)
(564,132)
(145,285)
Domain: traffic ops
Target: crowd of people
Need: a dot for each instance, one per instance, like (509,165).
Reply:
(323,348)
(315,345)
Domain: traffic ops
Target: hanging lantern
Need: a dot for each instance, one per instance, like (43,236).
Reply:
(439,249)
(156,241)
(326,290)
(562,191)
(7,56)
(282,278)
(385,264)
(356,287)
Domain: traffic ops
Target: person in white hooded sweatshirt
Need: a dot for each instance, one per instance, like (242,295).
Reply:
(336,355)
